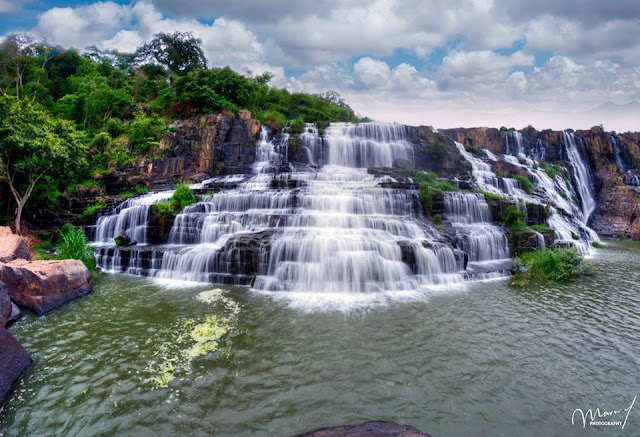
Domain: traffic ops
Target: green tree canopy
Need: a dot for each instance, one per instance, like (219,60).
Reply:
(179,52)
(32,146)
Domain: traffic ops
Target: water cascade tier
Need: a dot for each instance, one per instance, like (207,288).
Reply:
(331,226)
(335,230)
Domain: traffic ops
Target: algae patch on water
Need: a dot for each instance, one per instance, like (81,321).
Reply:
(207,335)
(197,337)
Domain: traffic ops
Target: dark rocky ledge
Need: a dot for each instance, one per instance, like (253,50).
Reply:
(368,429)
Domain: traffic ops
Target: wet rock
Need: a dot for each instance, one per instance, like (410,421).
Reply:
(14,360)
(526,240)
(367,429)
(536,214)
(44,285)
(12,246)
(122,240)
(403,164)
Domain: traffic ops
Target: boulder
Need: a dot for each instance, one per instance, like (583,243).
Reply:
(122,240)
(368,429)
(6,307)
(44,285)
(12,246)
(13,361)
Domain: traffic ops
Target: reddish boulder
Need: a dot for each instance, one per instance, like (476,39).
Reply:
(12,246)
(368,429)
(13,361)
(44,285)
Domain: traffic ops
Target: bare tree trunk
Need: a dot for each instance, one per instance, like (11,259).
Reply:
(18,217)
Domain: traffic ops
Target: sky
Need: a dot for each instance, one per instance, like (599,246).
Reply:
(445,63)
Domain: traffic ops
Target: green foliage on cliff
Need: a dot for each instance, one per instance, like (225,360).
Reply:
(525,183)
(513,218)
(430,188)
(90,211)
(67,116)
(437,150)
(550,264)
(163,213)
(73,244)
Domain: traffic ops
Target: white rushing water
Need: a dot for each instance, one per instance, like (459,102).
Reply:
(337,232)
(582,175)
(330,232)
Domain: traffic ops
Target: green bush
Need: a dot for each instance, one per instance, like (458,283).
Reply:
(525,183)
(437,150)
(73,244)
(90,211)
(145,131)
(183,196)
(491,196)
(541,228)
(550,264)
(297,126)
(513,218)
(275,120)
(430,187)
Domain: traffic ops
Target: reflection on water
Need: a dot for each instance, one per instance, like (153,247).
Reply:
(493,360)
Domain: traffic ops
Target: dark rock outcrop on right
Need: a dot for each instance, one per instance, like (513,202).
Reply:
(368,429)
(13,361)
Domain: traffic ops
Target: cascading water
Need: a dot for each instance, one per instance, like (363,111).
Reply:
(484,242)
(513,144)
(335,231)
(581,174)
(130,218)
(550,192)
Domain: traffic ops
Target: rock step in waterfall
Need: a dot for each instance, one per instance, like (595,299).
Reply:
(333,228)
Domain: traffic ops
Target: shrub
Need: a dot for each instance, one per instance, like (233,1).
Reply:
(164,212)
(275,120)
(596,244)
(541,228)
(525,183)
(183,196)
(93,209)
(430,186)
(73,244)
(550,264)
(297,126)
(145,131)
(114,126)
(437,150)
(492,196)
(513,218)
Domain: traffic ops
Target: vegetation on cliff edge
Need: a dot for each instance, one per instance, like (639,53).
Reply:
(67,117)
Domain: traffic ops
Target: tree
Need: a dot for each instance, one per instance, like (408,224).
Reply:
(15,52)
(180,52)
(32,146)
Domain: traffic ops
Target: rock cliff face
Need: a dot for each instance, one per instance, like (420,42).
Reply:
(614,160)
(198,148)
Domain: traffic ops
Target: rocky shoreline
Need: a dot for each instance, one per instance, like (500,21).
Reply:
(39,286)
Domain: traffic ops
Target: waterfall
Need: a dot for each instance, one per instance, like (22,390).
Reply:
(271,156)
(367,144)
(513,144)
(581,174)
(129,218)
(620,161)
(554,194)
(328,232)
(469,214)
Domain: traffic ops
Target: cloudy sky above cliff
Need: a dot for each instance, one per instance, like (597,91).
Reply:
(445,63)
